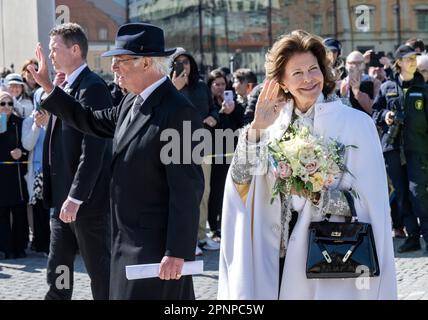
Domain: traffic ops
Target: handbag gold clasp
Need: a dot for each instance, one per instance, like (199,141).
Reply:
(336,234)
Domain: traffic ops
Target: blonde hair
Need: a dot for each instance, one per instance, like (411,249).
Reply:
(298,41)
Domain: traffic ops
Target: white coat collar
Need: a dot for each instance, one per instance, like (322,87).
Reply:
(322,106)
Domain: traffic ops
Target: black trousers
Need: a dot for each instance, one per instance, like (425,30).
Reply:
(41,217)
(14,236)
(417,171)
(293,222)
(215,203)
(91,236)
(400,181)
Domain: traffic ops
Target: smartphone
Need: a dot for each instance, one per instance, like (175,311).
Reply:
(374,58)
(228,95)
(354,73)
(178,68)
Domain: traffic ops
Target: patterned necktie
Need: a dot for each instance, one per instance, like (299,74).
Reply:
(136,106)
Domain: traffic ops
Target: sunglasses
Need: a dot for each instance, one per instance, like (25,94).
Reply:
(3,104)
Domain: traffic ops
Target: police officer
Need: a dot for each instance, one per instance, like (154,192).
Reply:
(401,112)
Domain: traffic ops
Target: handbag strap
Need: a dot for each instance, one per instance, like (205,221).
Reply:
(351,204)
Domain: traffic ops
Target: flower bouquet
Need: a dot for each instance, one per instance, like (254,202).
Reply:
(305,164)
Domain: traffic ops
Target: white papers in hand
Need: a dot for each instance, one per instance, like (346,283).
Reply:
(151,270)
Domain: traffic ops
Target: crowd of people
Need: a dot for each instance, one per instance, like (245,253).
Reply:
(81,170)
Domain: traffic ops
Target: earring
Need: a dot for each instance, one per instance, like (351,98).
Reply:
(286,91)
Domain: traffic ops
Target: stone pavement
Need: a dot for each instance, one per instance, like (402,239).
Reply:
(24,279)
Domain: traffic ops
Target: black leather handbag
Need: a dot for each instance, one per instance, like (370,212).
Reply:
(341,249)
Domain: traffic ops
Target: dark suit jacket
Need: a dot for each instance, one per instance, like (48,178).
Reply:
(79,163)
(155,206)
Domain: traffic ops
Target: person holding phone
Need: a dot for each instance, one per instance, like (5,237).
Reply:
(185,77)
(358,87)
(380,66)
(231,119)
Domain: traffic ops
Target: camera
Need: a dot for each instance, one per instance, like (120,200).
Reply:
(395,128)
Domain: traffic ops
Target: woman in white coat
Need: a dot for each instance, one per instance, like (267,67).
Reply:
(263,250)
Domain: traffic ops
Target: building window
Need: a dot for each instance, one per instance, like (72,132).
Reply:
(317,24)
(102,34)
(422,19)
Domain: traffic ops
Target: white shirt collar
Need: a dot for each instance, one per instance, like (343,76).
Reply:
(149,90)
(73,76)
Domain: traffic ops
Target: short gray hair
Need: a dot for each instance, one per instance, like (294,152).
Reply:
(162,64)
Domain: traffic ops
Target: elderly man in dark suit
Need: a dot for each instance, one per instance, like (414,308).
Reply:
(76,174)
(155,203)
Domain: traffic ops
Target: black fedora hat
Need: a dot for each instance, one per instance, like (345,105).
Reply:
(139,39)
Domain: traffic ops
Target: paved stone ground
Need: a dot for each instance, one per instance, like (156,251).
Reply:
(24,279)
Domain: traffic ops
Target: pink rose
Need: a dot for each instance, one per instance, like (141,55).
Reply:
(311,167)
(285,170)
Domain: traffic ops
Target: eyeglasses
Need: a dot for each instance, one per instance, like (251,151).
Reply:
(119,61)
(9,103)
(356,63)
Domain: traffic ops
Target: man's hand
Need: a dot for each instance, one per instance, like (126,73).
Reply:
(41,76)
(69,211)
(59,78)
(41,118)
(170,268)
(210,121)
(354,83)
(367,55)
(16,154)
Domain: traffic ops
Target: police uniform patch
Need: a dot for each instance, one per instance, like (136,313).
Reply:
(419,104)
